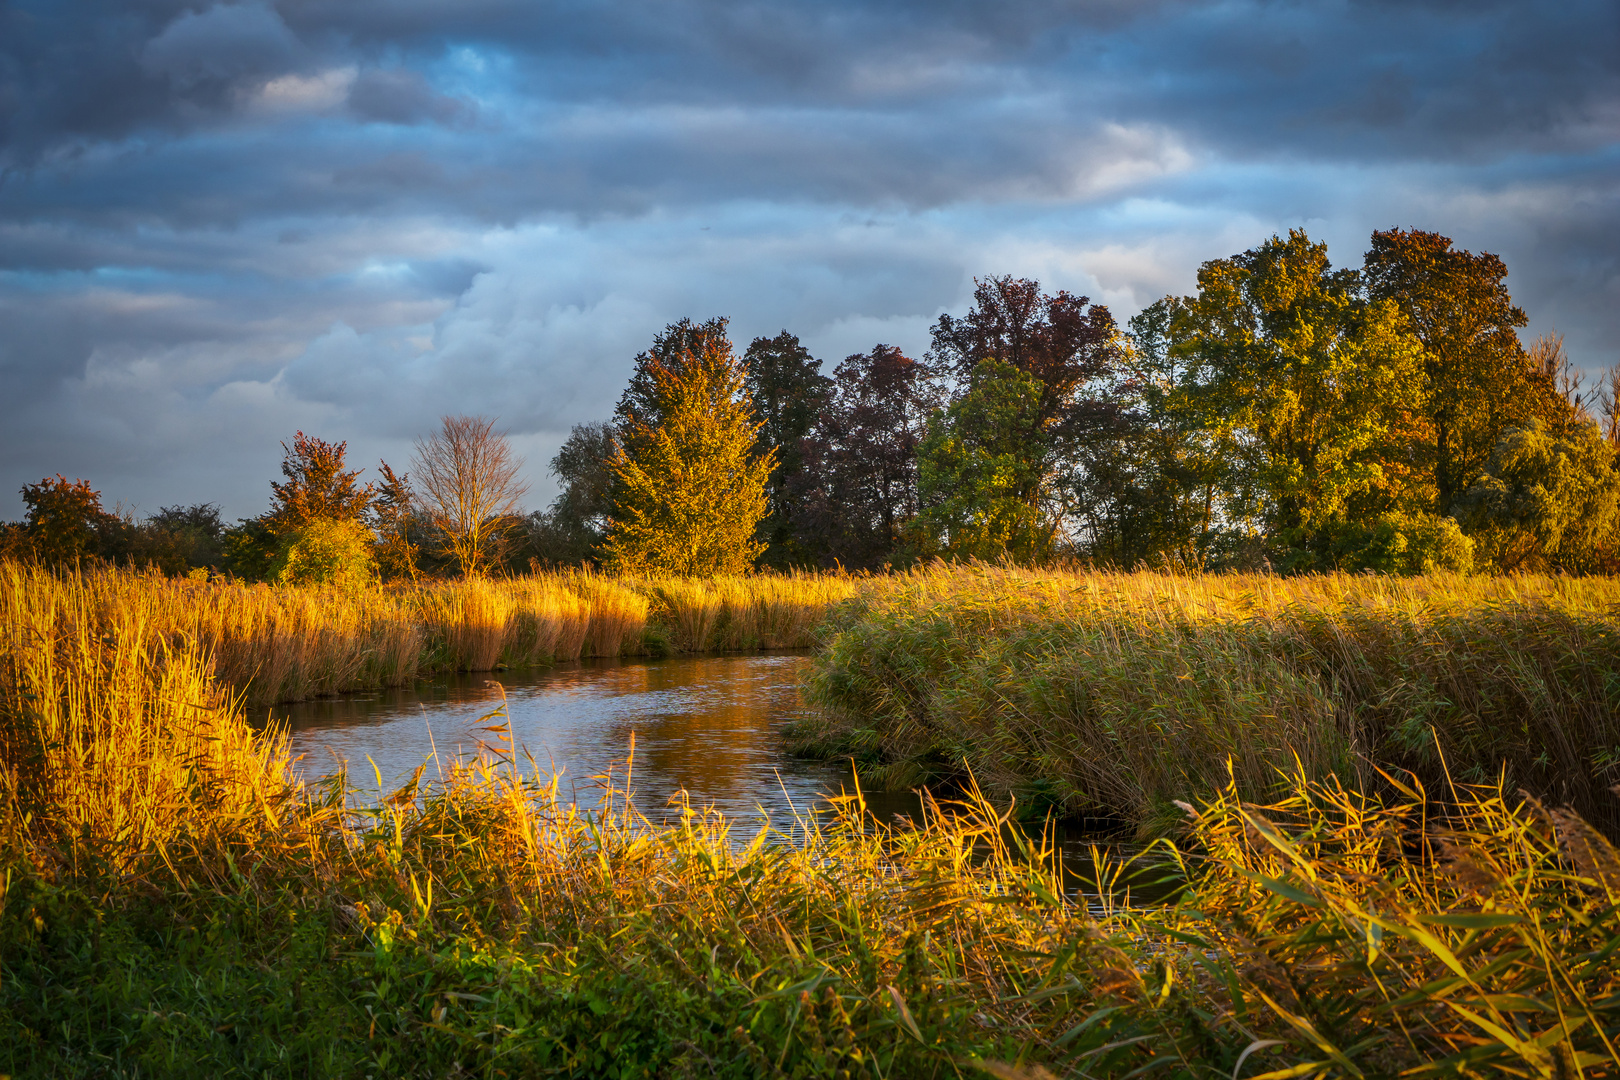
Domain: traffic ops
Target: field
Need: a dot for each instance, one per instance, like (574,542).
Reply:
(175,903)
(1113,695)
(278,643)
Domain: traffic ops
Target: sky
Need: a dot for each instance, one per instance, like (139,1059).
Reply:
(222,223)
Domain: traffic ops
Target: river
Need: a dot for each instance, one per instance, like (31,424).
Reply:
(709,726)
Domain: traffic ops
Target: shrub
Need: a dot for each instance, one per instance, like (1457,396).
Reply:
(1406,544)
(326,552)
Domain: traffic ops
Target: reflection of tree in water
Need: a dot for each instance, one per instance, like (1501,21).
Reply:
(714,741)
(703,723)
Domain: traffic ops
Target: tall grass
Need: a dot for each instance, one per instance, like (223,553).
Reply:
(1119,693)
(284,643)
(117,743)
(204,915)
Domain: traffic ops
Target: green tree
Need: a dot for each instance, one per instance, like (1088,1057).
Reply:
(1549,499)
(250,548)
(679,346)
(316,487)
(1309,384)
(179,539)
(982,471)
(571,530)
(1403,542)
(326,551)
(1476,380)
(789,395)
(1150,487)
(690,488)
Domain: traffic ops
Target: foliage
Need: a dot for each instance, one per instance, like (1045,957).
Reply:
(1150,490)
(65,522)
(1405,543)
(470,490)
(1306,383)
(1549,499)
(789,393)
(172,901)
(1475,379)
(680,346)
(250,549)
(317,487)
(690,490)
(982,472)
(395,520)
(1112,695)
(1064,342)
(858,489)
(572,530)
(180,539)
(326,552)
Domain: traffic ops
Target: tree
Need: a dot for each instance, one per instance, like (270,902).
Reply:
(250,548)
(1308,381)
(981,471)
(1064,341)
(1149,487)
(572,529)
(317,486)
(1476,379)
(690,488)
(65,521)
(858,489)
(788,392)
(681,345)
(1548,500)
(393,518)
(1403,542)
(179,539)
(470,489)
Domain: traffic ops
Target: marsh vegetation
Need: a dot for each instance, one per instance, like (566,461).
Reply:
(176,902)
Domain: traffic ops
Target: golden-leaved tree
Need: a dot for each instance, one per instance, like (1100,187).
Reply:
(690,486)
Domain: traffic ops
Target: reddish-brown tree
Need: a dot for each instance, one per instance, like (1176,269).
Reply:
(317,486)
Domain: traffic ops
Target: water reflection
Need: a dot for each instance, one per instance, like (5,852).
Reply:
(709,726)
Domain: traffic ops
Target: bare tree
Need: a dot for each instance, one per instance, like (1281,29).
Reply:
(470,488)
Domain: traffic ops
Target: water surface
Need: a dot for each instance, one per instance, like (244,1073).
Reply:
(706,725)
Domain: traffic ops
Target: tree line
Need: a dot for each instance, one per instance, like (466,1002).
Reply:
(1289,415)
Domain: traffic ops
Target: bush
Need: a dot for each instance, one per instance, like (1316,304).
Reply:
(1401,543)
(326,552)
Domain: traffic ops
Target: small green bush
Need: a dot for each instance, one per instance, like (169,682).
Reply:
(1406,544)
(326,552)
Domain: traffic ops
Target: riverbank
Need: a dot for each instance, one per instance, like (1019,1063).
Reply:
(1117,694)
(174,903)
(275,644)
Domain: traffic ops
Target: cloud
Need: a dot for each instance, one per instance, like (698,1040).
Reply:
(403,96)
(222,221)
(220,47)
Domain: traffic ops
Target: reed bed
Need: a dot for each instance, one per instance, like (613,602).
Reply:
(286,643)
(211,917)
(1116,694)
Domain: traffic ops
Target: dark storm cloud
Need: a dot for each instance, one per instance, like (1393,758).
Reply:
(222,220)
